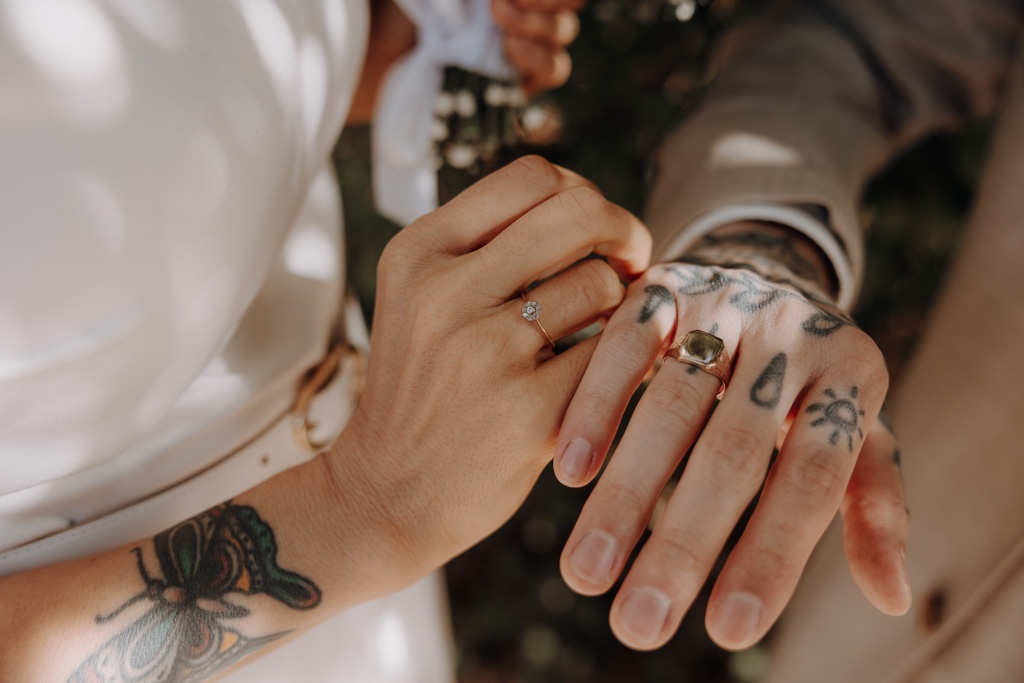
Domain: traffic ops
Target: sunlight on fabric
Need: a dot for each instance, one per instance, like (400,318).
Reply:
(74,43)
(336,28)
(203,177)
(392,644)
(312,86)
(274,40)
(310,254)
(160,21)
(103,216)
(750,149)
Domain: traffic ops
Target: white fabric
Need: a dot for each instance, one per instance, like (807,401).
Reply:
(451,33)
(155,157)
(169,266)
(790,216)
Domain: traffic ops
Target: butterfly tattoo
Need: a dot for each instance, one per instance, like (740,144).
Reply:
(185,635)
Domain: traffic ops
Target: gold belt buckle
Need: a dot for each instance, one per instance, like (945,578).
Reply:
(318,378)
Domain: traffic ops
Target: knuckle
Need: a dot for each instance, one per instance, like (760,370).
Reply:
(627,503)
(586,206)
(536,173)
(600,284)
(879,513)
(738,456)
(676,549)
(627,340)
(681,402)
(817,477)
(777,560)
(601,404)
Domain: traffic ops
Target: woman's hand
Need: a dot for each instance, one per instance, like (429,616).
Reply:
(464,397)
(804,379)
(536,35)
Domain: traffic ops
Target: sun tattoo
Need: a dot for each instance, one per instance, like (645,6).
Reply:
(842,414)
(184,636)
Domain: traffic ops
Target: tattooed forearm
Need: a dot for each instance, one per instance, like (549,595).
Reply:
(184,632)
(840,415)
(767,389)
(657,296)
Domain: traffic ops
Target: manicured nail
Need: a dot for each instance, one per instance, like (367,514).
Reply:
(734,620)
(643,614)
(593,557)
(576,459)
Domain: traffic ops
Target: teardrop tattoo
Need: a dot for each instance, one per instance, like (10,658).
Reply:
(767,390)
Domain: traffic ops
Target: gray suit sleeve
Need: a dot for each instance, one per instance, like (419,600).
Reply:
(814,96)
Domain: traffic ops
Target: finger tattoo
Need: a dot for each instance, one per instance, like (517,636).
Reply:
(841,414)
(657,296)
(767,390)
(753,299)
(823,324)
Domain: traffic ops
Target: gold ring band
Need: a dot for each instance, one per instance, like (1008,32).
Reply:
(703,351)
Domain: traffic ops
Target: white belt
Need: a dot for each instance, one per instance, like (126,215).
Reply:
(323,405)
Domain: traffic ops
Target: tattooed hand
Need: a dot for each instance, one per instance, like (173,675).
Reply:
(804,380)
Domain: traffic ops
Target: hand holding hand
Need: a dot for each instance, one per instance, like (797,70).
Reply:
(803,379)
(465,397)
(536,35)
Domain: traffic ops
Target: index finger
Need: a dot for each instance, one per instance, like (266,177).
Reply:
(484,210)
(635,334)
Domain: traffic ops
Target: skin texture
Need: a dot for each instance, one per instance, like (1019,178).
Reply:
(805,380)
(460,415)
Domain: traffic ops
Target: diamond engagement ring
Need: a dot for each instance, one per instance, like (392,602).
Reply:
(531,312)
(705,352)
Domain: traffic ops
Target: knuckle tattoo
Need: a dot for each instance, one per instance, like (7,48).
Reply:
(841,416)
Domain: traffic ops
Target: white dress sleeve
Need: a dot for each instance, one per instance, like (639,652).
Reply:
(155,156)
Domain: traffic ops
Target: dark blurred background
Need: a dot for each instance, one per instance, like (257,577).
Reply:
(638,66)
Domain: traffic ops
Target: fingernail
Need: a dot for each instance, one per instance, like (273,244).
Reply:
(734,619)
(643,614)
(905,574)
(576,459)
(594,556)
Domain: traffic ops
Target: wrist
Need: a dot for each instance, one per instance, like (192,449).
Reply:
(777,253)
(378,519)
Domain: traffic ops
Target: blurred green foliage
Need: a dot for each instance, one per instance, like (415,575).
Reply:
(636,72)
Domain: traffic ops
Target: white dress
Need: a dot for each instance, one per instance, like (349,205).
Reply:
(170,266)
